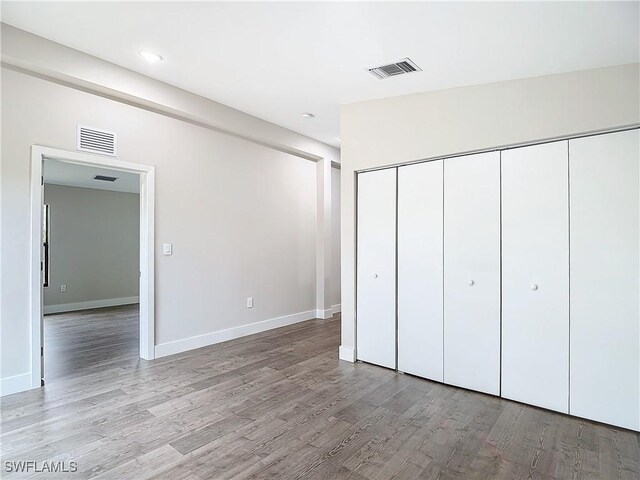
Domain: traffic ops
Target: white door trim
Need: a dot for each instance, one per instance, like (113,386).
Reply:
(147,249)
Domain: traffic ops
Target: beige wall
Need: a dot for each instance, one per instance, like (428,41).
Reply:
(241,217)
(94,245)
(413,127)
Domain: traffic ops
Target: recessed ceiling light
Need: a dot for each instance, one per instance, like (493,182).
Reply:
(307,115)
(150,56)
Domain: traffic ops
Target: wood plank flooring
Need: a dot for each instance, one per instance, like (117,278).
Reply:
(91,340)
(281,405)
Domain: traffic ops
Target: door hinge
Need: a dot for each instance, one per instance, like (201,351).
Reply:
(41,267)
(42,351)
(41,180)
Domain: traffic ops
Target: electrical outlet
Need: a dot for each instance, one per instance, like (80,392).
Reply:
(63,288)
(250,302)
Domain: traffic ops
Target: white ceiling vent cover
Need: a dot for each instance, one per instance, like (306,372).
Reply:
(398,68)
(95,140)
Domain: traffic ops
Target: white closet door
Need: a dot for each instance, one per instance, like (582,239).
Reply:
(472,272)
(535,275)
(376,268)
(420,269)
(605,319)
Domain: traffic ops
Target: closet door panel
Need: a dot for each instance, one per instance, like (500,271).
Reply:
(420,265)
(472,272)
(535,275)
(376,268)
(605,332)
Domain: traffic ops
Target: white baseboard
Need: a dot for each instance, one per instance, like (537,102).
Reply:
(324,314)
(336,308)
(347,354)
(15,384)
(178,346)
(107,302)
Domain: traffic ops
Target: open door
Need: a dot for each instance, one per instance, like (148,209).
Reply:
(39,249)
(44,270)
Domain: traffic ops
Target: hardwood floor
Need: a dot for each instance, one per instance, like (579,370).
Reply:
(281,405)
(77,343)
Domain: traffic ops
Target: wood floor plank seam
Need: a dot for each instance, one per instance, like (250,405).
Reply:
(279,404)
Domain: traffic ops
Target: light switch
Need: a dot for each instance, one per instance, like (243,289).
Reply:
(63,288)
(249,302)
(166,249)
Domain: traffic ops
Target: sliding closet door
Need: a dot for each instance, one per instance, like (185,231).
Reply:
(605,320)
(376,268)
(535,275)
(420,269)
(472,272)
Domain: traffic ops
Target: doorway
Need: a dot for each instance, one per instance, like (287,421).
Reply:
(122,311)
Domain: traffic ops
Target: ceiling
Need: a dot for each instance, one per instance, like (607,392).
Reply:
(278,60)
(74,175)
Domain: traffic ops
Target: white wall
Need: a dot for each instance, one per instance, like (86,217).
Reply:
(94,246)
(413,127)
(335,237)
(242,217)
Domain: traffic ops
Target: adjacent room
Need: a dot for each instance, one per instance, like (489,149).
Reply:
(320,240)
(91,242)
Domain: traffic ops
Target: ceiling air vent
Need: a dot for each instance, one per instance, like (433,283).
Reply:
(105,178)
(399,68)
(95,140)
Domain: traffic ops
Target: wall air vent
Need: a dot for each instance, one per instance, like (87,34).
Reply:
(95,140)
(105,178)
(399,68)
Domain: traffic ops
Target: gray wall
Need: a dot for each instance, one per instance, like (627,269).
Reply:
(241,217)
(335,236)
(94,245)
(425,125)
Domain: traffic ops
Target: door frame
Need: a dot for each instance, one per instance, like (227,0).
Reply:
(147,246)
